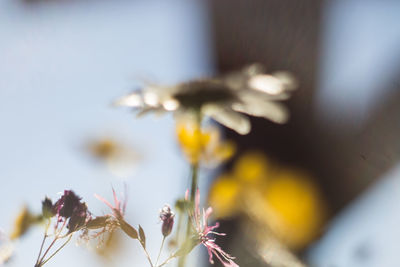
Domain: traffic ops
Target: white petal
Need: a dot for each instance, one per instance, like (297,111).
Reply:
(269,110)
(251,95)
(151,99)
(170,104)
(267,84)
(253,69)
(228,118)
(287,79)
(132,100)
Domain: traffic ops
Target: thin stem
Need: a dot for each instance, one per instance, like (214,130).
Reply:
(147,255)
(161,247)
(55,252)
(47,251)
(167,260)
(41,248)
(43,241)
(52,243)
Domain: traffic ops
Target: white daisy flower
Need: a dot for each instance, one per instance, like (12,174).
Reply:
(224,99)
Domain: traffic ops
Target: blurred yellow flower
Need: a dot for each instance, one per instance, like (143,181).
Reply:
(104,148)
(120,159)
(223,195)
(251,168)
(295,210)
(283,200)
(24,220)
(203,144)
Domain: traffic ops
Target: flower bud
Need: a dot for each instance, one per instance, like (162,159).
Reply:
(47,208)
(167,218)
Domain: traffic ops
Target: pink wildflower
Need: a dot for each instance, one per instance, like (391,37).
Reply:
(200,223)
(118,210)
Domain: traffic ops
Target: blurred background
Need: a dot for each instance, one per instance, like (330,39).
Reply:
(322,190)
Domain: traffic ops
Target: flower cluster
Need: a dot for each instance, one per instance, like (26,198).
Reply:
(70,214)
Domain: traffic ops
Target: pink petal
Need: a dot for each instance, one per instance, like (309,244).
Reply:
(208,213)
(210,255)
(208,229)
(116,201)
(104,201)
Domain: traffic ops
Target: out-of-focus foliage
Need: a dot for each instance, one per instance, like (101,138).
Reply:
(281,199)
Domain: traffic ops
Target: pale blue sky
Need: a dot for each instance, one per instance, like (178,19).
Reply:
(62,64)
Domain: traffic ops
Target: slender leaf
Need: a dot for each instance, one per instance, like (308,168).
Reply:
(128,229)
(142,236)
(98,222)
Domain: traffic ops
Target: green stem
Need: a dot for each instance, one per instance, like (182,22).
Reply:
(195,169)
(193,189)
(179,227)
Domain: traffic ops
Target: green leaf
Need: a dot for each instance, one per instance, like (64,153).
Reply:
(128,229)
(98,222)
(142,236)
